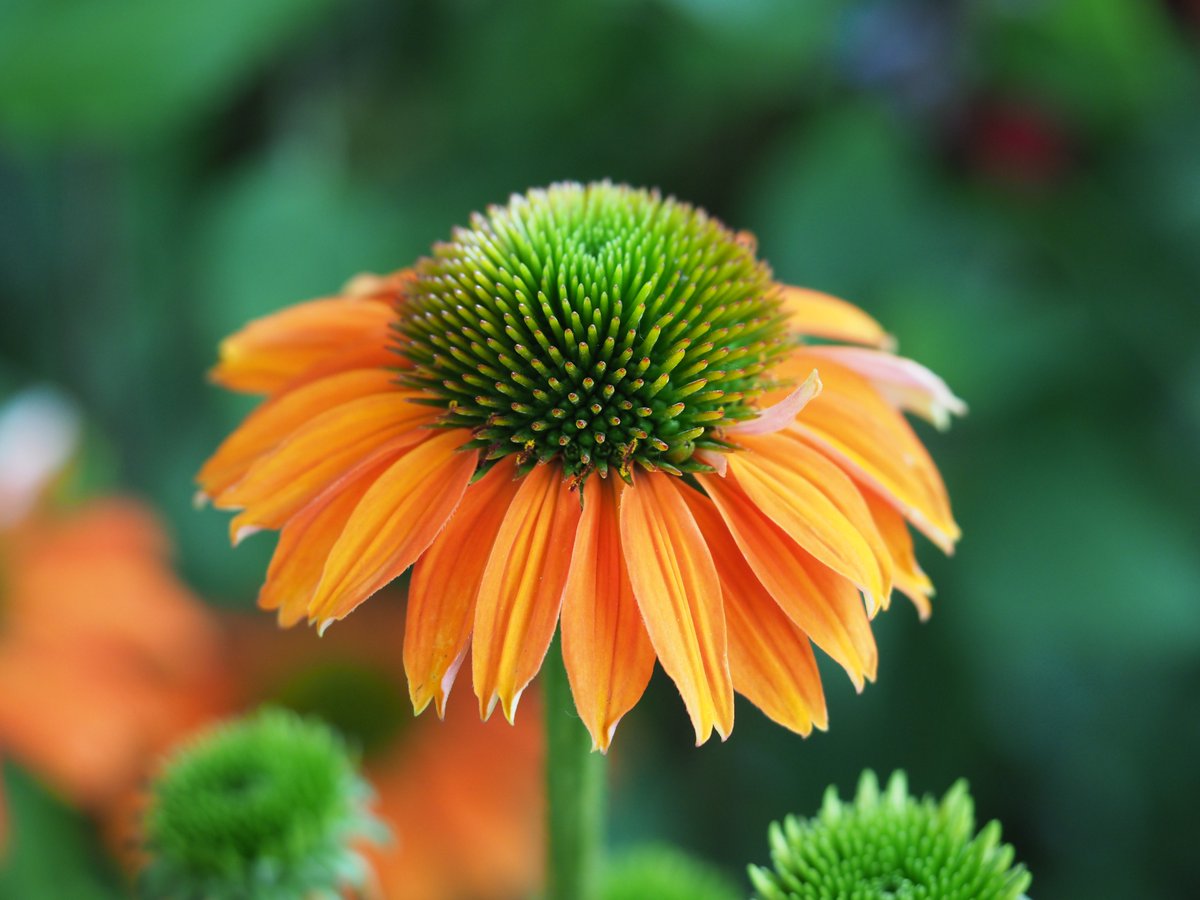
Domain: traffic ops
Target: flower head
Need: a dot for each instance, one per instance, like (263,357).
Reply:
(595,406)
(890,845)
(270,806)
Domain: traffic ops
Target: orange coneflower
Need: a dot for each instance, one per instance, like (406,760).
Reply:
(592,404)
(104,655)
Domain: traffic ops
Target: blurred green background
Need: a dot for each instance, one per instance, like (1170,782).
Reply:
(1011,186)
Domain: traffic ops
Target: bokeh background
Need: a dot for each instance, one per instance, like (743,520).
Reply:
(1011,186)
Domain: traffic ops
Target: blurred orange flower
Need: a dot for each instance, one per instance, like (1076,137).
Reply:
(105,657)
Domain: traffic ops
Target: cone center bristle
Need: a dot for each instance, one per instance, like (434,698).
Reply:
(596,325)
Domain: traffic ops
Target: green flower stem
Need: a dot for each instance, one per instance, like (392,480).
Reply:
(575,799)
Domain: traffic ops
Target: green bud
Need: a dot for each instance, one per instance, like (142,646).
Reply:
(266,808)
(890,846)
(665,873)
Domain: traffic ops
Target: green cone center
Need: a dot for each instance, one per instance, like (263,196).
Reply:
(597,325)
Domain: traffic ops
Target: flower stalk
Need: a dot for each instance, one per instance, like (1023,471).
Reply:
(575,792)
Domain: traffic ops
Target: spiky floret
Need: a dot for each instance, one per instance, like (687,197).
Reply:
(268,807)
(598,325)
(890,846)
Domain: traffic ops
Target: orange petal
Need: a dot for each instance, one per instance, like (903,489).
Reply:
(822,603)
(814,314)
(818,507)
(771,659)
(445,582)
(390,289)
(270,352)
(910,578)
(857,428)
(522,588)
(274,421)
(397,519)
(676,586)
(607,652)
(307,539)
(283,481)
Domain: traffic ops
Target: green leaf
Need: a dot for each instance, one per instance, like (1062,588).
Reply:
(124,68)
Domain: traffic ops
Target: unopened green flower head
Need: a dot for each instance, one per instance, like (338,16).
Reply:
(664,873)
(598,325)
(890,846)
(267,808)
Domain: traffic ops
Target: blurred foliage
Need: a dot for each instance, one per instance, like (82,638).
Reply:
(51,846)
(1011,186)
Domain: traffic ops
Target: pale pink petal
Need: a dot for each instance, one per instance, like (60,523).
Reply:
(905,384)
(718,461)
(780,415)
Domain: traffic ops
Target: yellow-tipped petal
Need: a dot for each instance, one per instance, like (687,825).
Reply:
(270,353)
(522,588)
(770,658)
(445,583)
(605,647)
(275,421)
(814,314)
(676,586)
(826,606)
(818,506)
(286,479)
(393,524)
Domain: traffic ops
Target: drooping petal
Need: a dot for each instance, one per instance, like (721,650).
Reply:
(307,539)
(910,578)
(826,606)
(814,314)
(522,588)
(393,524)
(856,427)
(770,658)
(444,585)
(272,351)
(904,383)
(780,415)
(818,507)
(606,650)
(273,422)
(676,586)
(286,479)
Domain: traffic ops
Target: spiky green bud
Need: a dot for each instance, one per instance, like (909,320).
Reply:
(596,325)
(890,846)
(664,873)
(267,808)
